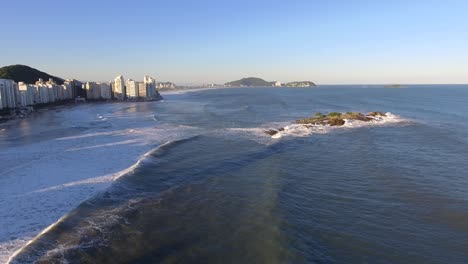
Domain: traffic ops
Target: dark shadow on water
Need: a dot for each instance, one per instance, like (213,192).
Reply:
(167,210)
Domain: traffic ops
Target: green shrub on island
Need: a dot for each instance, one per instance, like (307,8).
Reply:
(334,114)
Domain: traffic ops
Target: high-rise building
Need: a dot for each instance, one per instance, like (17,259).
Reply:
(93,90)
(132,88)
(142,90)
(76,88)
(119,87)
(42,92)
(150,87)
(106,91)
(27,94)
(68,89)
(8,91)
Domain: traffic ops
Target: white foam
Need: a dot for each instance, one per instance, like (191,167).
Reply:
(300,130)
(40,182)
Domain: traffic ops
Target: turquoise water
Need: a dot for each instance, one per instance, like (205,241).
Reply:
(385,193)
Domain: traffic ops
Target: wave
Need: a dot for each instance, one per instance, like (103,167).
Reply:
(116,214)
(45,244)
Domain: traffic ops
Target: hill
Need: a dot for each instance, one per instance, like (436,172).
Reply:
(26,74)
(250,82)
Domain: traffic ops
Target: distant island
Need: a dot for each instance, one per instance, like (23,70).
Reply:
(258,82)
(251,81)
(395,86)
(300,84)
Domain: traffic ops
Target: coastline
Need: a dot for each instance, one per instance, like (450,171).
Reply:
(25,112)
(44,180)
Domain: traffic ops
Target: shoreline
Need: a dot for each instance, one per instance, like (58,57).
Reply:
(25,112)
(46,179)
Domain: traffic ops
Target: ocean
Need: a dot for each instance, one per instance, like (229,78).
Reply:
(194,179)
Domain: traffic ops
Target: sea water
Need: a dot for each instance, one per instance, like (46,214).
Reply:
(200,181)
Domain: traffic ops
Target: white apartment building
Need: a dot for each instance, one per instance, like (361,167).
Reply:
(73,85)
(52,93)
(67,88)
(8,93)
(93,90)
(142,90)
(132,89)
(106,91)
(27,94)
(42,92)
(53,90)
(150,87)
(119,87)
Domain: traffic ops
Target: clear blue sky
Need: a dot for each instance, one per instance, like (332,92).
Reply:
(197,41)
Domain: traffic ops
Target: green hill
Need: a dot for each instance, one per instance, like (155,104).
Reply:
(26,74)
(249,82)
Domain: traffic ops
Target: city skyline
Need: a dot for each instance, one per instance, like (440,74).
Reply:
(186,42)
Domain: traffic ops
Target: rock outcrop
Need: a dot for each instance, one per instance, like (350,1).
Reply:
(332,119)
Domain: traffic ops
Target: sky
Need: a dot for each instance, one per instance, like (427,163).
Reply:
(216,41)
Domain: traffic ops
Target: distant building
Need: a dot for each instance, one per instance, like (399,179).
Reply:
(150,87)
(165,85)
(53,90)
(142,90)
(106,91)
(76,88)
(27,94)
(42,92)
(132,88)
(93,90)
(8,93)
(119,88)
(13,95)
(68,88)
(278,84)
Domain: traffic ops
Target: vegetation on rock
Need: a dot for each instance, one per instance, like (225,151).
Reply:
(338,119)
(332,119)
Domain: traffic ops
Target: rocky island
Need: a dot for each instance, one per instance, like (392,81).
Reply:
(332,119)
(300,84)
(257,82)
